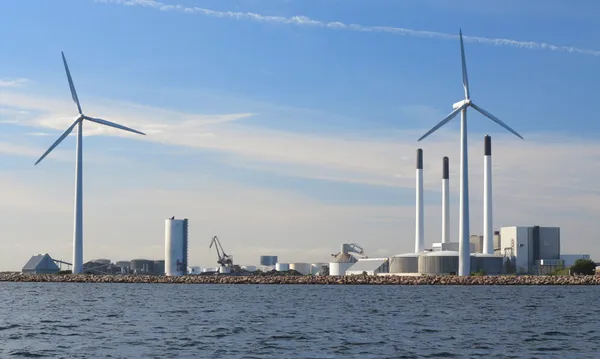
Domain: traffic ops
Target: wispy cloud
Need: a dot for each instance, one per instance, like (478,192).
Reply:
(12,83)
(306,21)
(358,158)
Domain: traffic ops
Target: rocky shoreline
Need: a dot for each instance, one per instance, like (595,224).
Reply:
(314,280)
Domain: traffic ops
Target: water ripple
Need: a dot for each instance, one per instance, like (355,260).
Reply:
(253,321)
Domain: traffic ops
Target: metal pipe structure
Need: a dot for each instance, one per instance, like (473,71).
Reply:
(488,230)
(445,201)
(419,228)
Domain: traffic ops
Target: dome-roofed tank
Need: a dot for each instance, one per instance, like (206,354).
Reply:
(404,263)
(442,262)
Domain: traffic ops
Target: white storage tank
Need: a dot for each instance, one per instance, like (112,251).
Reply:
(282,267)
(176,246)
(339,269)
(224,269)
(249,268)
(302,268)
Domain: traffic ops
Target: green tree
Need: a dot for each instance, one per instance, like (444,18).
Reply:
(583,266)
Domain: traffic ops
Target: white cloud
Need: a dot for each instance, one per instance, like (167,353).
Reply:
(12,83)
(305,21)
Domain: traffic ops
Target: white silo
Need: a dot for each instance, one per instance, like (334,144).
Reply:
(282,267)
(302,268)
(176,246)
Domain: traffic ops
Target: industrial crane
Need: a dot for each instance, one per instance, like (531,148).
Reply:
(224,259)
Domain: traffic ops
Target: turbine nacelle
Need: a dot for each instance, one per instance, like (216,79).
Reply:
(461,103)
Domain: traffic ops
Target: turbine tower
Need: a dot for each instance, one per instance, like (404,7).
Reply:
(78,227)
(464,265)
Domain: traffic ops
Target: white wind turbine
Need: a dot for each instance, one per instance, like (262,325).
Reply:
(78,228)
(464,265)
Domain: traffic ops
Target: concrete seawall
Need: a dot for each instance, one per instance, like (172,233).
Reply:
(315,280)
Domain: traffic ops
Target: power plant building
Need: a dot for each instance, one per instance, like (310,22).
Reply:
(176,246)
(525,247)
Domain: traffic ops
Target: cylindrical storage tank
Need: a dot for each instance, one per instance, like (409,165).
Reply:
(249,268)
(176,243)
(302,268)
(339,268)
(224,269)
(209,270)
(488,263)
(442,262)
(282,267)
(268,260)
(405,263)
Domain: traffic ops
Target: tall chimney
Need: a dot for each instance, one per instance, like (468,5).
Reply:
(419,239)
(488,231)
(445,201)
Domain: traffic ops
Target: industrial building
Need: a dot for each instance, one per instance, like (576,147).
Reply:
(369,266)
(524,248)
(141,266)
(176,246)
(101,266)
(350,253)
(41,264)
(268,260)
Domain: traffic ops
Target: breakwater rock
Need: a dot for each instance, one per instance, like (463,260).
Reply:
(316,280)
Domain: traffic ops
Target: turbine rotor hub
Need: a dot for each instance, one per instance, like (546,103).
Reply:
(460,103)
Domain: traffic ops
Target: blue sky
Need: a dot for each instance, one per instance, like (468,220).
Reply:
(291,125)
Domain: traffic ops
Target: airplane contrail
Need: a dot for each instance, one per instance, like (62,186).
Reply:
(305,21)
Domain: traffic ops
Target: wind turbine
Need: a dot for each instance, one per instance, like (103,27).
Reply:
(464,265)
(78,227)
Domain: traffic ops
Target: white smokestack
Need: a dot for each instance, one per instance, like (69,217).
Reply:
(445,201)
(488,231)
(419,228)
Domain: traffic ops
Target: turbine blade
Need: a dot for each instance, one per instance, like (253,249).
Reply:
(73,92)
(112,124)
(495,119)
(62,137)
(464,67)
(443,122)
